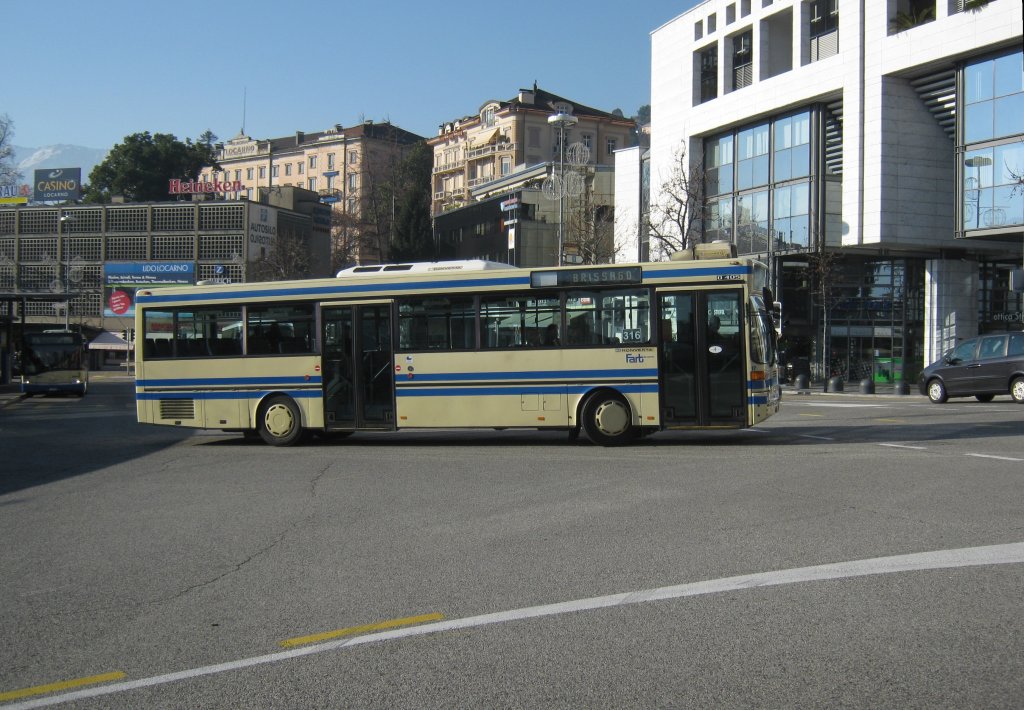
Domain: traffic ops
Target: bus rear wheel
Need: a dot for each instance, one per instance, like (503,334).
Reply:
(279,422)
(607,419)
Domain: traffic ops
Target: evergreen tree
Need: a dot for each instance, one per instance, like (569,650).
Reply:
(414,239)
(140,167)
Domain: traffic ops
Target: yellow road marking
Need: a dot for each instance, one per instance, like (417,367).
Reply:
(892,421)
(379,626)
(62,685)
(811,415)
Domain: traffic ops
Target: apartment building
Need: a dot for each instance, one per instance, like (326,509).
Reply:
(540,151)
(340,164)
(870,151)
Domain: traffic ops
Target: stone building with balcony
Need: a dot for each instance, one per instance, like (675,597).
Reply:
(511,150)
(340,164)
(871,153)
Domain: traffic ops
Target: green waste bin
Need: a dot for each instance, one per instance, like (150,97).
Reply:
(888,369)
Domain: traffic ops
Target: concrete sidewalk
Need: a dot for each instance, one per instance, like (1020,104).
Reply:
(10,393)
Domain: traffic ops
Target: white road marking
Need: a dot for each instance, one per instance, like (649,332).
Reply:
(816,438)
(990,456)
(844,405)
(905,446)
(1012,553)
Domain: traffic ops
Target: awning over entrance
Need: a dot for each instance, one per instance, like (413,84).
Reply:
(109,341)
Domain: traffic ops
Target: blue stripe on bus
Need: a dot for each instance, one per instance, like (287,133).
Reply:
(229,394)
(528,375)
(512,390)
(231,381)
(691,272)
(340,290)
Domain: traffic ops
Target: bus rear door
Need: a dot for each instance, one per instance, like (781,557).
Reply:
(357,366)
(702,359)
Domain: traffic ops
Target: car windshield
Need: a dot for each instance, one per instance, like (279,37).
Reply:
(963,351)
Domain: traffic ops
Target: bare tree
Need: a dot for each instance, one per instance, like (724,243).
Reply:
(675,216)
(287,259)
(590,226)
(344,241)
(823,267)
(9,174)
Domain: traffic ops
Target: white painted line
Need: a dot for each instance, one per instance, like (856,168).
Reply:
(816,438)
(1012,553)
(905,446)
(990,456)
(844,405)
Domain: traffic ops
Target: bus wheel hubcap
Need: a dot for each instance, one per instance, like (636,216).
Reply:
(611,418)
(279,420)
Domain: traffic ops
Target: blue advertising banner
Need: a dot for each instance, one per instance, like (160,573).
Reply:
(121,278)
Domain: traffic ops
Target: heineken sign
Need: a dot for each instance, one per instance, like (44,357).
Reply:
(193,187)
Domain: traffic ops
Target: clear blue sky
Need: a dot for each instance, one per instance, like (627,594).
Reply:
(90,73)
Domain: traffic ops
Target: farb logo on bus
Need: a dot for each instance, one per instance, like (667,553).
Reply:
(634,359)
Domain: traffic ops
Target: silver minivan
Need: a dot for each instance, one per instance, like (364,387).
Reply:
(981,367)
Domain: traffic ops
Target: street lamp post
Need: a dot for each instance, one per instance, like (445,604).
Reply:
(64,220)
(561,121)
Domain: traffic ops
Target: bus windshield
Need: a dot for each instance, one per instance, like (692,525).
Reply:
(47,352)
(762,333)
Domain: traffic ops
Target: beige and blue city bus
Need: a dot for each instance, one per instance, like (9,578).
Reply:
(617,351)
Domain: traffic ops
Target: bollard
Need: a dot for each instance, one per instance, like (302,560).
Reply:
(800,382)
(835,384)
(902,388)
(867,386)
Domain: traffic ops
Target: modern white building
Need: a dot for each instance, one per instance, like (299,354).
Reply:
(888,134)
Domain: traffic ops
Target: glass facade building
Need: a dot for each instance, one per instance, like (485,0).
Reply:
(758,185)
(993,144)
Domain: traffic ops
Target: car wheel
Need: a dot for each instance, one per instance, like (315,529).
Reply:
(937,391)
(1017,390)
(984,397)
(280,422)
(607,419)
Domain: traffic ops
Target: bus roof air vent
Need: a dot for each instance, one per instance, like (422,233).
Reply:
(426,267)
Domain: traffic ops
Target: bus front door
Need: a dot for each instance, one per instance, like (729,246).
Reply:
(703,377)
(359,391)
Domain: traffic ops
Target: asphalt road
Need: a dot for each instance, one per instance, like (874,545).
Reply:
(852,551)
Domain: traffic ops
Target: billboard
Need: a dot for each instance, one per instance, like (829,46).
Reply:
(122,278)
(57,184)
(14,194)
(262,231)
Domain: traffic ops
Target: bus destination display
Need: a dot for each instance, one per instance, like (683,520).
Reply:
(610,276)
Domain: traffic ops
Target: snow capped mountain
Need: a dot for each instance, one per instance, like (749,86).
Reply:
(28,160)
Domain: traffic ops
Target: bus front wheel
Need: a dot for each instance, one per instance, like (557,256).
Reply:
(607,419)
(279,422)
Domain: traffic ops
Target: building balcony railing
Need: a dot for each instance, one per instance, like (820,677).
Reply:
(824,45)
(492,149)
(450,167)
(743,75)
(481,180)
